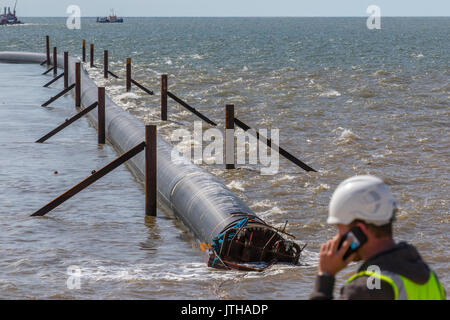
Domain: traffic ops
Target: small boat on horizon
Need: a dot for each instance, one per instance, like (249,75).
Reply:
(111,19)
(8,17)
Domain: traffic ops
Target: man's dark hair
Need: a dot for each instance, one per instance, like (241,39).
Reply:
(379,231)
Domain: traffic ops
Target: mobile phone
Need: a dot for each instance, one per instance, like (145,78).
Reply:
(358,239)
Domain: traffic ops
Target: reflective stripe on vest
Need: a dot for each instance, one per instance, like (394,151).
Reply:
(405,289)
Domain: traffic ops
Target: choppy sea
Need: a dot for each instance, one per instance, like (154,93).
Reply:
(346,100)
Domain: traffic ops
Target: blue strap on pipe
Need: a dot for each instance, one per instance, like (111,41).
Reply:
(218,240)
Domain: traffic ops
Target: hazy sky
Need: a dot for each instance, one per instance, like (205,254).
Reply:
(168,8)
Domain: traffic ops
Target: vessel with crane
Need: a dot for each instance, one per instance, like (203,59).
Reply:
(111,19)
(8,17)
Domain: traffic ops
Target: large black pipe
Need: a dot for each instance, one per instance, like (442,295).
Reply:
(205,205)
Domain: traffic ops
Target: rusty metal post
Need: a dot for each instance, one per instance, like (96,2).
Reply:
(164,97)
(59,95)
(105,64)
(66,69)
(268,142)
(128,78)
(150,170)
(55,61)
(229,136)
(92,54)
(47,47)
(77,84)
(191,109)
(68,122)
(89,180)
(101,115)
(83,50)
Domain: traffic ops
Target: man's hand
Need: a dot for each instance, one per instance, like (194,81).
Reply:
(330,258)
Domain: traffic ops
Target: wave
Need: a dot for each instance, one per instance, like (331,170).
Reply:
(152,272)
(366,93)
(127,95)
(330,94)
(236,185)
(321,187)
(381,72)
(418,55)
(197,56)
(287,178)
(275,210)
(265,203)
(346,136)
(27,24)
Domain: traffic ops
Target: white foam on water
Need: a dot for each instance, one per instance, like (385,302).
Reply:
(114,89)
(321,187)
(184,272)
(417,55)
(310,258)
(275,210)
(27,24)
(197,56)
(377,156)
(155,272)
(330,94)
(287,178)
(236,185)
(126,95)
(265,203)
(345,135)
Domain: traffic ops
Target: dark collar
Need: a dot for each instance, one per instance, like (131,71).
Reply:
(369,261)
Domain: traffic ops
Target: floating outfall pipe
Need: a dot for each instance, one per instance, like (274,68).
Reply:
(232,232)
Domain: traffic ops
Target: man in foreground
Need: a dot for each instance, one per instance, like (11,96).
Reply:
(364,205)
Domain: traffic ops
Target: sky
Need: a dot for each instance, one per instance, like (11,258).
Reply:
(230,8)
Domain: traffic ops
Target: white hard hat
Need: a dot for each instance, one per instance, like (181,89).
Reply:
(365,198)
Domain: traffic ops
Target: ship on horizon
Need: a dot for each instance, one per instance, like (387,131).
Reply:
(8,17)
(111,19)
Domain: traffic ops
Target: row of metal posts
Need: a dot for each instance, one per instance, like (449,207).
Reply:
(230,119)
(149,145)
(229,114)
(150,133)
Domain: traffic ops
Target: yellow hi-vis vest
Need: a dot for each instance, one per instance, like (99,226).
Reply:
(405,289)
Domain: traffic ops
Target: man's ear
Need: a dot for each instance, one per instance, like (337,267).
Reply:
(364,229)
